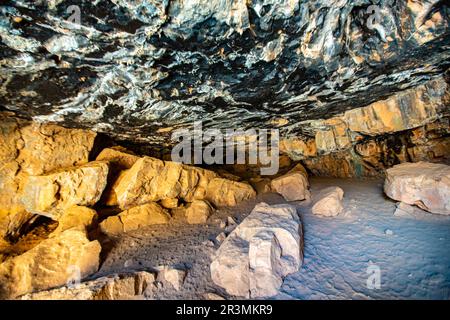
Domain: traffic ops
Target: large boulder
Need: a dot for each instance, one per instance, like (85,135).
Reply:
(293,186)
(135,218)
(424,184)
(152,180)
(223,192)
(52,263)
(329,202)
(260,252)
(51,194)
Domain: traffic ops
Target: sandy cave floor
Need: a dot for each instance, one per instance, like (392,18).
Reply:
(413,254)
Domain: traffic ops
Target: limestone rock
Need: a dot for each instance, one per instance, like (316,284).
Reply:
(424,184)
(75,217)
(174,277)
(52,263)
(124,286)
(329,202)
(50,195)
(222,192)
(135,218)
(292,186)
(152,179)
(404,210)
(198,212)
(260,252)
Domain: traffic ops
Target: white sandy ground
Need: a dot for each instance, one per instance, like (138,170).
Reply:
(413,254)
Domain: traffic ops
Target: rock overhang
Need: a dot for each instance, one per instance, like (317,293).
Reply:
(132,69)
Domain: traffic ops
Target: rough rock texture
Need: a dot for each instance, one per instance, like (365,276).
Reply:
(328,202)
(426,185)
(151,179)
(371,156)
(75,217)
(33,149)
(135,218)
(52,263)
(136,68)
(124,286)
(292,186)
(222,192)
(171,276)
(50,195)
(198,212)
(260,252)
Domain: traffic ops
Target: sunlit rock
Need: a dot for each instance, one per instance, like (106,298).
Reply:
(51,194)
(70,256)
(221,192)
(135,218)
(198,212)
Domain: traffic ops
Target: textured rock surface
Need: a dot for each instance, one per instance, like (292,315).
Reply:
(171,276)
(198,212)
(260,252)
(328,202)
(222,192)
(124,286)
(426,185)
(50,195)
(292,186)
(32,149)
(54,262)
(152,179)
(135,218)
(133,68)
(75,217)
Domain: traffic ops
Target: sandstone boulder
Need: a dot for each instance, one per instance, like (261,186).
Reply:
(329,202)
(135,218)
(260,252)
(50,195)
(52,263)
(152,180)
(424,184)
(198,212)
(293,186)
(222,192)
(125,286)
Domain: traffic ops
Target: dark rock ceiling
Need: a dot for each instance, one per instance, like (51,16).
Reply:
(138,66)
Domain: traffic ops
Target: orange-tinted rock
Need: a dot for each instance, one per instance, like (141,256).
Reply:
(52,263)
(222,192)
(135,218)
(50,195)
(328,202)
(292,186)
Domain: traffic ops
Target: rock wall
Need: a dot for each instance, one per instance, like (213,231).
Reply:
(412,125)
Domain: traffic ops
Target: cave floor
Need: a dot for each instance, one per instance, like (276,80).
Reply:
(412,254)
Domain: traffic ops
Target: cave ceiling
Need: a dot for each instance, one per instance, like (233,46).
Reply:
(137,69)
